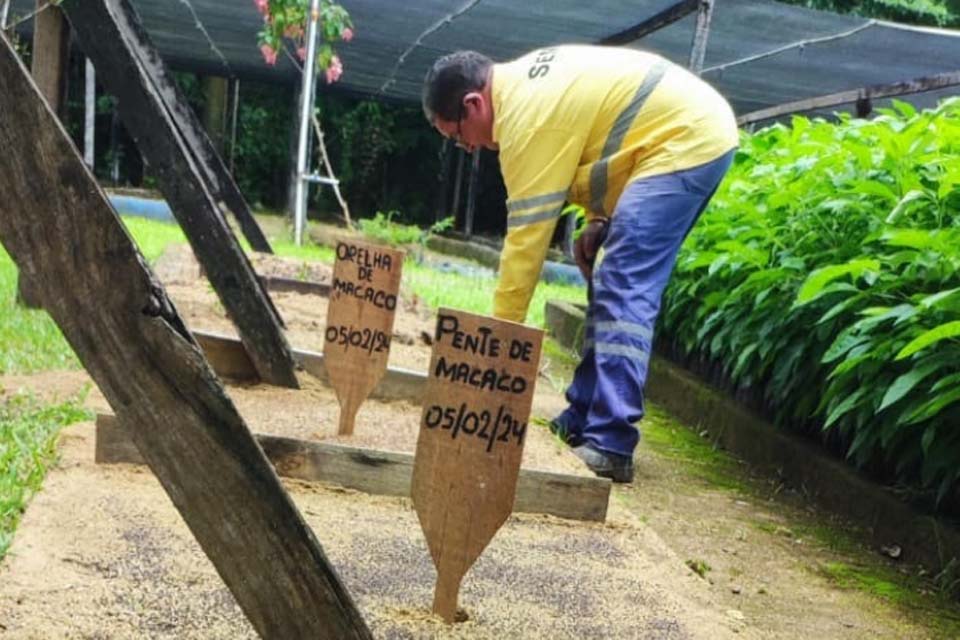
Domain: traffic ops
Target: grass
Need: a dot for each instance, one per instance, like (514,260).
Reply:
(699,567)
(28,435)
(153,236)
(911,594)
(30,340)
(475,294)
(698,456)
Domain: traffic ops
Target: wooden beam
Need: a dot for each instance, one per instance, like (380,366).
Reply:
(58,226)
(872,92)
(386,473)
(215,111)
(665,18)
(51,46)
(306,287)
(214,172)
(229,359)
(110,34)
(51,49)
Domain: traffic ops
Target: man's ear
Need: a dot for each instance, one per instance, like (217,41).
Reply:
(474,100)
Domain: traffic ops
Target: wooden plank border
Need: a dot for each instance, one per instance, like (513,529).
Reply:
(230,360)
(383,472)
(289,285)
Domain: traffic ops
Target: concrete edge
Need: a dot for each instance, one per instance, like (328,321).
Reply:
(925,539)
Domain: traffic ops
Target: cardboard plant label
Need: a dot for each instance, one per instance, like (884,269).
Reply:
(474,423)
(363,303)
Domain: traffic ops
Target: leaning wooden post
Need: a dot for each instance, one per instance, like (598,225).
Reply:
(110,34)
(476,406)
(363,303)
(60,229)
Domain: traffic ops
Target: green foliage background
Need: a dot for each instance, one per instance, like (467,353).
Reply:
(938,13)
(825,277)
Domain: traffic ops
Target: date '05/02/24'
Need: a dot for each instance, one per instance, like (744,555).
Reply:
(365,339)
(483,425)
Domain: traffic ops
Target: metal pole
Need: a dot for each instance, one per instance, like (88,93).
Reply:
(456,185)
(233,122)
(444,179)
(472,193)
(698,49)
(4,12)
(306,107)
(89,112)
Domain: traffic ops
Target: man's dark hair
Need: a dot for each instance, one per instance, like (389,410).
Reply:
(452,77)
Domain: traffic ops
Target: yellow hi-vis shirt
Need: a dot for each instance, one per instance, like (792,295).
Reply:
(579,123)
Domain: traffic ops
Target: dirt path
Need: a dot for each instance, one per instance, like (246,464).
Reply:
(102,553)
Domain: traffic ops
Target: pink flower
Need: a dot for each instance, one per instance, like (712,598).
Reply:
(347,34)
(302,53)
(269,54)
(263,6)
(334,71)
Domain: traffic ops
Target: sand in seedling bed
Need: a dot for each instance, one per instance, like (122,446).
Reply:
(102,553)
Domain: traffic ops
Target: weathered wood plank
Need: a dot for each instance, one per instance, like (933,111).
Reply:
(470,443)
(51,46)
(307,287)
(360,316)
(228,358)
(58,226)
(110,34)
(386,473)
(48,65)
(872,92)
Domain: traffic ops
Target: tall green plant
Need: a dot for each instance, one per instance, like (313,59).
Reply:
(826,275)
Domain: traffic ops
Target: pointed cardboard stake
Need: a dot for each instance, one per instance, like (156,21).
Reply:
(475,411)
(363,302)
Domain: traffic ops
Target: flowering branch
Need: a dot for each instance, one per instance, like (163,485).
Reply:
(286,21)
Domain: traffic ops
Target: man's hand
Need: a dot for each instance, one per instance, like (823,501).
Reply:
(585,248)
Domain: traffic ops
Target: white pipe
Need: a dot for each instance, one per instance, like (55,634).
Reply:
(89,112)
(4,12)
(306,107)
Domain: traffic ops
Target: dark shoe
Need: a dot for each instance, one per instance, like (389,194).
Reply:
(606,465)
(565,434)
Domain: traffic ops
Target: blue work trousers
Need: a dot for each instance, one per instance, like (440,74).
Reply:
(650,222)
